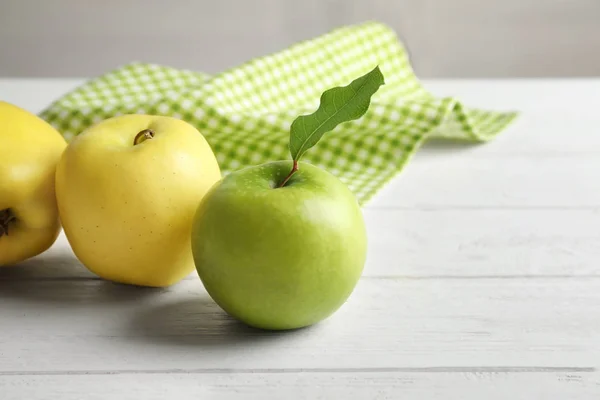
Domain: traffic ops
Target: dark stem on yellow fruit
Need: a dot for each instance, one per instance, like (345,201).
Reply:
(292,172)
(6,217)
(142,136)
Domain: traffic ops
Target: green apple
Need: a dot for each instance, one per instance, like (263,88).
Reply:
(279,257)
(282,245)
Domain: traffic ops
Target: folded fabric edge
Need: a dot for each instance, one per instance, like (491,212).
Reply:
(60,102)
(451,109)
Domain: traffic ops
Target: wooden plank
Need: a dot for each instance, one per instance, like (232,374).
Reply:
(483,243)
(455,180)
(433,244)
(88,325)
(314,386)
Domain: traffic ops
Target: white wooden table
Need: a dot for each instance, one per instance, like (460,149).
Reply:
(482,282)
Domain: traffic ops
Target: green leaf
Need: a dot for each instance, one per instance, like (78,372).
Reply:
(339,104)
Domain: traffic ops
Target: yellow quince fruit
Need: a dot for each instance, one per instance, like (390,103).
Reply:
(29,152)
(127,191)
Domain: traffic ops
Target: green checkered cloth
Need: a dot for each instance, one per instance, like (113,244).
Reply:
(245,113)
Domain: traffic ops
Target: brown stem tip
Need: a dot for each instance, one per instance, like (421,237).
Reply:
(6,217)
(292,172)
(142,136)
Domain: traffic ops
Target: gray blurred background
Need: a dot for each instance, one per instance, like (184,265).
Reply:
(446,38)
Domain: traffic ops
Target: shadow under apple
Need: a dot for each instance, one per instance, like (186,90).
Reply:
(47,266)
(196,322)
(60,280)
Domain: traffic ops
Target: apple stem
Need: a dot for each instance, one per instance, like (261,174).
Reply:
(287,178)
(6,217)
(142,136)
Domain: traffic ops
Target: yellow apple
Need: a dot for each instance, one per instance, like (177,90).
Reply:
(127,189)
(29,151)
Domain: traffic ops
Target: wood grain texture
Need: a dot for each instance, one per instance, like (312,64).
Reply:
(88,325)
(309,386)
(455,180)
(482,282)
